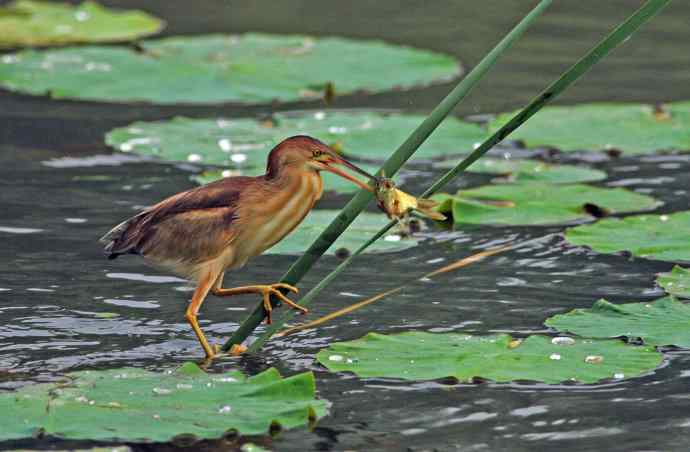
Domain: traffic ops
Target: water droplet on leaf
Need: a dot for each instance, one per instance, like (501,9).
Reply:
(225,144)
(161,391)
(563,341)
(238,158)
(594,359)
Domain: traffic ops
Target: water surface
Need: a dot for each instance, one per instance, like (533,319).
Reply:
(64,307)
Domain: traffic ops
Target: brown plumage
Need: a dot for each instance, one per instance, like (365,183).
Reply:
(202,232)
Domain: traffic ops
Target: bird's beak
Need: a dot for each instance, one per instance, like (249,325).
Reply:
(330,166)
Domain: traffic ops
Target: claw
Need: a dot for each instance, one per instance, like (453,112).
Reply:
(274,289)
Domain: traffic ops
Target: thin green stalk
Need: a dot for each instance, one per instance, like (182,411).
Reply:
(617,36)
(390,167)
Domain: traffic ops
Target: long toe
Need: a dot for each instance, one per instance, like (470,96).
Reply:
(289,287)
(289,302)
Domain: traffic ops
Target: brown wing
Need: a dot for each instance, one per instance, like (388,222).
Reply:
(187,226)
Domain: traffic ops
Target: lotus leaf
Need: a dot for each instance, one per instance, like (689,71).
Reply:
(422,356)
(40,23)
(676,282)
(631,128)
(242,144)
(365,226)
(539,203)
(665,321)
(211,69)
(662,237)
(137,405)
(531,171)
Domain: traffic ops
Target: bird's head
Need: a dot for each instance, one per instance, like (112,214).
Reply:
(303,153)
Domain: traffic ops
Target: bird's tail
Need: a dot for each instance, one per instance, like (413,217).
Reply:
(115,240)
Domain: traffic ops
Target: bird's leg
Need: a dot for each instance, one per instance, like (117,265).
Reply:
(266,290)
(200,293)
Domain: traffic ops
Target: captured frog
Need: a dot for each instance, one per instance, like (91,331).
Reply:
(397,204)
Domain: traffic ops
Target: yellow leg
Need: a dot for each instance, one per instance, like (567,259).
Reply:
(197,299)
(266,290)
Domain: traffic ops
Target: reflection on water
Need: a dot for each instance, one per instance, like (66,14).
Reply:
(64,307)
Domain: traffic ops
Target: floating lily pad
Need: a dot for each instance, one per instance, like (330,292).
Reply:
(366,225)
(243,144)
(539,204)
(249,68)
(531,171)
(632,128)
(662,237)
(136,405)
(423,356)
(39,23)
(665,321)
(676,282)
(331,182)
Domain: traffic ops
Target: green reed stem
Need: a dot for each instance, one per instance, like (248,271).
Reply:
(390,167)
(616,37)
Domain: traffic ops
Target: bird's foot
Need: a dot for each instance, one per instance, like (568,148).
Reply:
(274,289)
(217,352)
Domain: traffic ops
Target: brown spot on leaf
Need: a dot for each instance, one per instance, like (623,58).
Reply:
(660,113)
(595,210)
(342,253)
(329,93)
(614,152)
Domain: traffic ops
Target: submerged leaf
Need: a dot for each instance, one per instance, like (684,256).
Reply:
(136,405)
(539,204)
(249,68)
(631,128)
(422,356)
(663,237)
(40,23)
(665,321)
(531,171)
(676,282)
(365,226)
(243,144)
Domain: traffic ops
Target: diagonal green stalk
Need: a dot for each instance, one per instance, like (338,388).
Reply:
(390,167)
(616,37)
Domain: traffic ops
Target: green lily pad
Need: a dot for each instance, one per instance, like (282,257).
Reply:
(632,128)
(331,182)
(423,356)
(665,321)
(539,203)
(40,23)
(210,69)
(366,225)
(662,237)
(676,282)
(137,405)
(531,171)
(243,144)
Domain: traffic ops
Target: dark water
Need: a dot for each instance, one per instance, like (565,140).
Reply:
(63,307)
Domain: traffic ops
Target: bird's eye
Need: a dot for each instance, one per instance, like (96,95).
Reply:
(316,153)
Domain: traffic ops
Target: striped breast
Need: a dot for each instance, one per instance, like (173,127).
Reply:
(277,214)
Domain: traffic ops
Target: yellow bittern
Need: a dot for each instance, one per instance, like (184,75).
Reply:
(200,233)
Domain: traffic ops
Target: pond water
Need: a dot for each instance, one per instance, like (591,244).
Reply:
(64,307)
